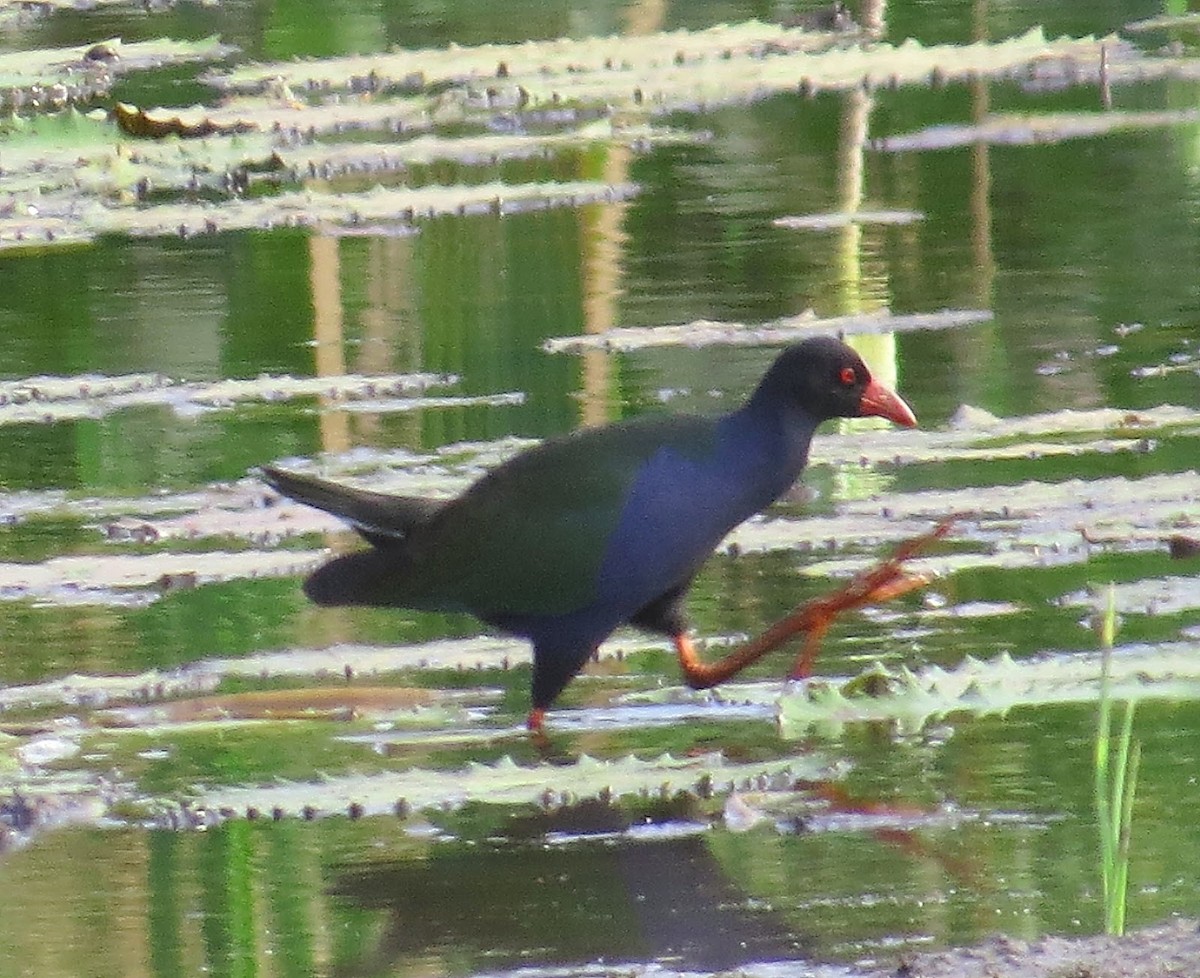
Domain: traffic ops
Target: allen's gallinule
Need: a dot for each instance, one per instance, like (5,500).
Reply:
(607,526)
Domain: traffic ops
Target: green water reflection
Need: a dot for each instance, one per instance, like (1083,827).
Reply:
(372,897)
(1064,243)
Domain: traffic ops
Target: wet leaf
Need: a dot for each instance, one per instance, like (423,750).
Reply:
(788,330)
(135,580)
(504,783)
(161,123)
(65,219)
(1028,525)
(92,692)
(318,703)
(327,160)
(67,151)
(826,222)
(1189,21)
(1146,596)
(44,79)
(1021,130)
(497,62)
(47,400)
(913,698)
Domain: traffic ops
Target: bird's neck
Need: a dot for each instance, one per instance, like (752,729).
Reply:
(771,439)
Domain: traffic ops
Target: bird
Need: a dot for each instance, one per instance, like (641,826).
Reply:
(607,526)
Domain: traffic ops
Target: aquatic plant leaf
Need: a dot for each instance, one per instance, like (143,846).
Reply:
(161,123)
(65,220)
(275,130)
(1029,129)
(1146,596)
(505,783)
(44,79)
(667,88)
(295,120)
(54,159)
(328,160)
(87,6)
(457,63)
(913,698)
(669,71)
(92,691)
(69,151)
(671,87)
(826,222)
(705,332)
(197,680)
(114,54)
(48,400)
(1189,21)
(131,580)
(1027,525)
(342,702)
(672,71)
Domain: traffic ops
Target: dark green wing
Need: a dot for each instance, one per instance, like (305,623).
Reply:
(530,536)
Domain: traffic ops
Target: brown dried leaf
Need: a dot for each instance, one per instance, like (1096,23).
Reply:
(159,123)
(314,703)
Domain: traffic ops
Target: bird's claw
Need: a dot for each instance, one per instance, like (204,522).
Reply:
(886,581)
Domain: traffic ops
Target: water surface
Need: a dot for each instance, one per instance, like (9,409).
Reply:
(874,837)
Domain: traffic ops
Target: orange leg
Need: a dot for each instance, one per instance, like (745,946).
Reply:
(535,723)
(883,582)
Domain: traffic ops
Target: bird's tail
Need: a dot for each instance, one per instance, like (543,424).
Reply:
(381,518)
(368,577)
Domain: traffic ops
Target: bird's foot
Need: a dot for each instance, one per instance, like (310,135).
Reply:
(535,723)
(884,582)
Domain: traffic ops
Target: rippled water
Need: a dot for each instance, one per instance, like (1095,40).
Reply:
(383,811)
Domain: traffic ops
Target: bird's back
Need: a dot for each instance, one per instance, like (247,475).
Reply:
(530,537)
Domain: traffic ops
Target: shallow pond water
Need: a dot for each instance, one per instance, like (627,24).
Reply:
(202,773)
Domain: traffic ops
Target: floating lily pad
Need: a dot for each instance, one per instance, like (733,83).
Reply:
(826,222)
(326,160)
(1022,130)
(91,692)
(47,400)
(138,579)
(49,78)
(505,783)
(65,220)
(1189,21)
(912,698)
(1034,524)
(1147,596)
(716,81)
(53,178)
(613,55)
(340,702)
(788,330)
(71,154)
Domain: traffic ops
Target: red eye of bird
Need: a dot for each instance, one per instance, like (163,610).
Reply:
(848,377)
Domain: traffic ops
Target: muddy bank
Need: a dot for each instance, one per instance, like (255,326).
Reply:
(1170,950)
